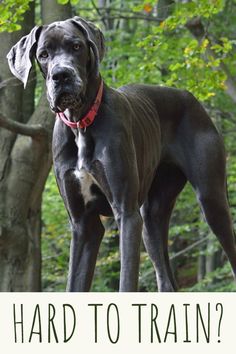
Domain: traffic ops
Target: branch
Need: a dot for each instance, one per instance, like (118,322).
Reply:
(98,12)
(189,248)
(137,17)
(122,14)
(180,253)
(34,131)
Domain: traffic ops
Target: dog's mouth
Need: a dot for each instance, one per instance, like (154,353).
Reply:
(67,101)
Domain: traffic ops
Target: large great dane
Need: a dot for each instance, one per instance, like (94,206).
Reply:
(126,152)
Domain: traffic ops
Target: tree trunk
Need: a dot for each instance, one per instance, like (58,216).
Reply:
(214,260)
(24,166)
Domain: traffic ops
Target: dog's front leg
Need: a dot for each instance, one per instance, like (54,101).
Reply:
(119,182)
(130,225)
(87,234)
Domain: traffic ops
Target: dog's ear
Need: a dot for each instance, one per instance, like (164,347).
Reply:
(95,39)
(22,53)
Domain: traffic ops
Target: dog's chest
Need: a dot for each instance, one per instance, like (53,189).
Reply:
(86,182)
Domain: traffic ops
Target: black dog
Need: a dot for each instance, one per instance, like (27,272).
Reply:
(131,161)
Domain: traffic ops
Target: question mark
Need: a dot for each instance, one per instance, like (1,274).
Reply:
(220,319)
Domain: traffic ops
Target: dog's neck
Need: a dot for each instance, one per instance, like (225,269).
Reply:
(92,88)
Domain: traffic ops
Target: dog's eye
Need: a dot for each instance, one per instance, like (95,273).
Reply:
(43,55)
(76,46)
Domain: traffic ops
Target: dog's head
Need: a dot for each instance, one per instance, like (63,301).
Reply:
(67,52)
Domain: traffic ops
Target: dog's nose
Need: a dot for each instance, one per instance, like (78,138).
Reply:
(60,74)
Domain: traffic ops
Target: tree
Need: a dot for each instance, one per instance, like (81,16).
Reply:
(25,143)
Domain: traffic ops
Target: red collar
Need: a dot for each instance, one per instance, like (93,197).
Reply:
(88,119)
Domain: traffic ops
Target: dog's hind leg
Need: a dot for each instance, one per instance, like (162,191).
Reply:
(156,212)
(206,172)
(215,207)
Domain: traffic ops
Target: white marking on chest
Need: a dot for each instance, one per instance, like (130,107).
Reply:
(81,146)
(86,180)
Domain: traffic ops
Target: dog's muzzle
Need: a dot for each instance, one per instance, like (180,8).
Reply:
(65,90)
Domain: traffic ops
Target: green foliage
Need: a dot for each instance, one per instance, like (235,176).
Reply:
(185,11)
(64,2)
(108,264)
(183,56)
(11,14)
(147,278)
(219,280)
